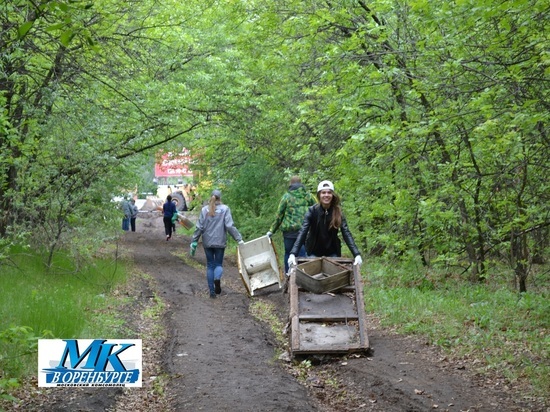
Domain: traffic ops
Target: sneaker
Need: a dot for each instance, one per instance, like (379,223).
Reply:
(217,286)
(212,296)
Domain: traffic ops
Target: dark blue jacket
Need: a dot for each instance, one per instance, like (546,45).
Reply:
(168,209)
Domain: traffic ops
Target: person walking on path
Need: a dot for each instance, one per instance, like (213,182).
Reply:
(320,228)
(215,221)
(133,214)
(126,210)
(290,215)
(174,217)
(168,210)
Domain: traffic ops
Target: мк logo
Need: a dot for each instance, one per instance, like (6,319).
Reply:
(89,362)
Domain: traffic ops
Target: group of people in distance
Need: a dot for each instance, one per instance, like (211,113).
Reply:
(130,211)
(310,228)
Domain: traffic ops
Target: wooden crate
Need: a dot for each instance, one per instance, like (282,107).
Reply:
(184,221)
(258,264)
(328,323)
(322,275)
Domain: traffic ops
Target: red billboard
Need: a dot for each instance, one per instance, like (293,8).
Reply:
(174,165)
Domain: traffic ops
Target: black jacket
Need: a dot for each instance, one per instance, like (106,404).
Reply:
(319,239)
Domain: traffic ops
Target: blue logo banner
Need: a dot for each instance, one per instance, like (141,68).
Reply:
(89,362)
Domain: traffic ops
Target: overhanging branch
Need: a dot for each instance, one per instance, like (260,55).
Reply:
(160,142)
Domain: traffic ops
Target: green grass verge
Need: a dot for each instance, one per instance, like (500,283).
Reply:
(60,302)
(506,332)
(265,312)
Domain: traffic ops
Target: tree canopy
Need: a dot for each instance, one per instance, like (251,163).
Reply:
(430,117)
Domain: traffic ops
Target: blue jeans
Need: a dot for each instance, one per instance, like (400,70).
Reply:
(126,223)
(289,243)
(214,269)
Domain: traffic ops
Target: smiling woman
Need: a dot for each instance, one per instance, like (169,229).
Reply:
(321,226)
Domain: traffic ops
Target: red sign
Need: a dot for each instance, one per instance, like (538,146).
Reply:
(174,165)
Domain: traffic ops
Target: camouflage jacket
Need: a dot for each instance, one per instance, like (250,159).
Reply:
(292,208)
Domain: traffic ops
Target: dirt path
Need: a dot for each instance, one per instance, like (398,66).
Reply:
(217,357)
(222,359)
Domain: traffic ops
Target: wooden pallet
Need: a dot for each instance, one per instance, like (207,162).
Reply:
(328,323)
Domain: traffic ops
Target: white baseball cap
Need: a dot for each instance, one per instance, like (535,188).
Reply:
(325,185)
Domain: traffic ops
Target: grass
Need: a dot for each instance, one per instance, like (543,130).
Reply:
(507,333)
(59,302)
(265,312)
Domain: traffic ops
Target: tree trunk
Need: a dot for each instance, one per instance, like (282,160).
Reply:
(520,255)
(541,239)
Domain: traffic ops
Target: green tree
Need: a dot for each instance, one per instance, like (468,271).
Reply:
(431,117)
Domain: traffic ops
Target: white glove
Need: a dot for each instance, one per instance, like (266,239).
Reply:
(291,260)
(358,260)
(241,242)
(269,234)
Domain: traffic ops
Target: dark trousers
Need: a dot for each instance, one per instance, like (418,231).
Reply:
(133,223)
(167,225)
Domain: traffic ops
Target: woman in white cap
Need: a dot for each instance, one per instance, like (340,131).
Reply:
(322,223)
(214,222)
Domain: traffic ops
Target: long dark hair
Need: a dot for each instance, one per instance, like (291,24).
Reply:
(336,220)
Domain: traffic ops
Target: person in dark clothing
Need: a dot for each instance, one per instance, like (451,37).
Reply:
(321,226)
(168,210)
(126,210)
(290,214)
(134,212)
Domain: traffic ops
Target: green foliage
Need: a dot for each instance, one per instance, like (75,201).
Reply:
(302,369)
(265,312)
(6,386)
(86,107)
(431,118)
(507,332)
(253,195)
(436,161)
(57,303)
(433,134)
(16,344)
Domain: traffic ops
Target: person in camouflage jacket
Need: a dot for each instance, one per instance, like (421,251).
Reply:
(290,215)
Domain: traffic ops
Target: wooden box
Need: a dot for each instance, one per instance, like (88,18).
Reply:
(322,275)
(184,221)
